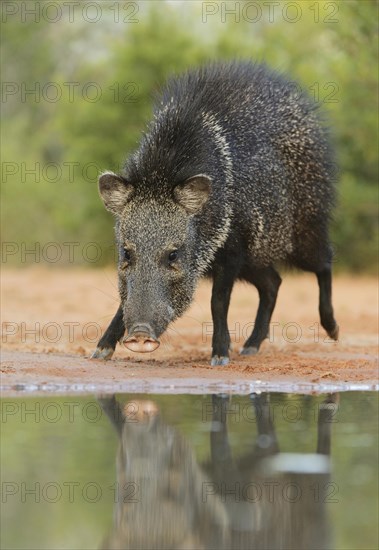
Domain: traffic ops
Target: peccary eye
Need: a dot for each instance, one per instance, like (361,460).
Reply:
(125,255)
(173,256)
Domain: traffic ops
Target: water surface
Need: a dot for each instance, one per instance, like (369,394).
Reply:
(187,471)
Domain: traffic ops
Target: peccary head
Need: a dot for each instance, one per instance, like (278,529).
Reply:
(156,238)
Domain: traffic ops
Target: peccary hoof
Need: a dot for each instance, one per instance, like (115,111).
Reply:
(334,332)
(251,350)
(102,353)
(219,361)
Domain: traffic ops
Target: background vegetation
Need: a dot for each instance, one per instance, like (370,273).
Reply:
(77,92)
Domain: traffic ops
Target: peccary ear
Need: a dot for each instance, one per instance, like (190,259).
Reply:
(114,191)
(193,193)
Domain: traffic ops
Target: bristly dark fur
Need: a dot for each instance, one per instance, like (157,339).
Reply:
(263,145)
(282,163)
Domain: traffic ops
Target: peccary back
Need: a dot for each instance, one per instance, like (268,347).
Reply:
(260,140)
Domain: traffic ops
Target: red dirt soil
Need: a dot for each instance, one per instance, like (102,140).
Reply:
(52,319)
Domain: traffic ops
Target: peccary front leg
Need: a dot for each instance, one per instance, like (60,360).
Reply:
(267,281)
(223,280)
(113,410)
(107,343)
(265,425)
(221,453)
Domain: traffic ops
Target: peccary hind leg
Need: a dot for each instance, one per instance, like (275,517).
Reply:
(267,281)
(107,343)
(324,278)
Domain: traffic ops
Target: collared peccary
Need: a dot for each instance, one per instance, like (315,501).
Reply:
(160,482)
(233,175)
(238,499)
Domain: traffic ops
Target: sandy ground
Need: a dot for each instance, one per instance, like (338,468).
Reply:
(52,318)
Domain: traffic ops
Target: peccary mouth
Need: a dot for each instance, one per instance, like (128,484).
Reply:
(141,339)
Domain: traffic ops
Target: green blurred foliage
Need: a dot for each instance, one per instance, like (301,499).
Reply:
(107,73)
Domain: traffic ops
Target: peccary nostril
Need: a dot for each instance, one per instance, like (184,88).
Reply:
(141,327)
(141,339)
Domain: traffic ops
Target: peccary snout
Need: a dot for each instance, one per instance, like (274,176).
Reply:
(141,338)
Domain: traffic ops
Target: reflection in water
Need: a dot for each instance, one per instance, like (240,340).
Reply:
(264,499)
